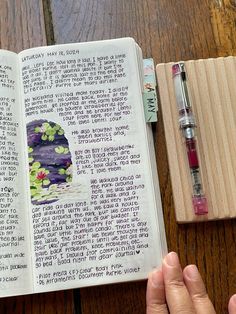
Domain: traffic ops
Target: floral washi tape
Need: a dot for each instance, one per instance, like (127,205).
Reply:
(149,91)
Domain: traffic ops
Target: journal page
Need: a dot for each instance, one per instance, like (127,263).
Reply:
(15,264)
(93,208)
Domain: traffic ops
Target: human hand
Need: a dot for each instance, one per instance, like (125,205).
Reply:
(171,290)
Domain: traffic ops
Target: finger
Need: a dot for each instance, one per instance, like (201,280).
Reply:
(156,301)
(197,290)
(177,296)
(232,305)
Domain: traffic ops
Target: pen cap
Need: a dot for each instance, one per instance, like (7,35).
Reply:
(181,93)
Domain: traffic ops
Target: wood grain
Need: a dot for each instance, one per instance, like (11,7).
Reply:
(168,31)
(45,303)
(223,24)
(22,26)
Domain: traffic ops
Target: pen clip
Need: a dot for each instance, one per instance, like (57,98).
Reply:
(180,79)
(186,118)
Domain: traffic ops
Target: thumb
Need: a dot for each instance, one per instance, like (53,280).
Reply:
(232,305)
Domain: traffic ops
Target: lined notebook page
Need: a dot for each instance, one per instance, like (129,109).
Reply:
(212,87)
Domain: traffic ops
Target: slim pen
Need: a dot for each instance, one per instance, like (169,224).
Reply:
(187,125)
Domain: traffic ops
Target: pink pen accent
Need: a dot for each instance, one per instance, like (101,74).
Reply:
(192,153)
(187,125)
(200,205)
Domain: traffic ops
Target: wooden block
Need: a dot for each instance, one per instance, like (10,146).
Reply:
(212,86)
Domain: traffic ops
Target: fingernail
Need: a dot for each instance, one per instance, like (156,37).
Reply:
(172,259)
(157,279)
(192,272)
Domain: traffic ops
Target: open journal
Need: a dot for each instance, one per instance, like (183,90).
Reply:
(79,194)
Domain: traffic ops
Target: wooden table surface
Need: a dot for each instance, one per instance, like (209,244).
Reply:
(167,30)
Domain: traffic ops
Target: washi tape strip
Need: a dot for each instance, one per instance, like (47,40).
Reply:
(149,91)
